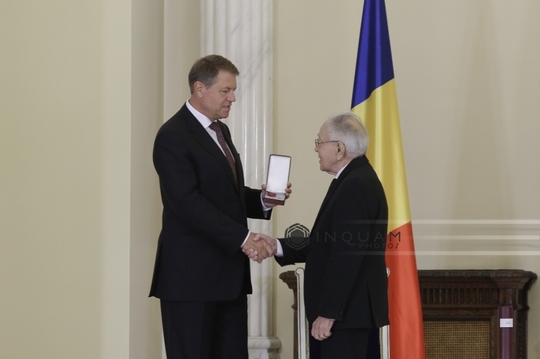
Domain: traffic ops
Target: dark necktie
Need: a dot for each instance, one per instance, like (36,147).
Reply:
(215,126)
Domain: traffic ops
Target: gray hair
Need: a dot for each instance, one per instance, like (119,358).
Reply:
(348,128)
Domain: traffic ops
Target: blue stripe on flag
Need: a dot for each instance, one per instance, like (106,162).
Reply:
(374,61)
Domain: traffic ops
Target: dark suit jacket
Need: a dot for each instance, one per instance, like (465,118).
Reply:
(345,271)
(204,215)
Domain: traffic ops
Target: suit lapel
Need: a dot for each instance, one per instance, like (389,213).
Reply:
(335,183)
(201,135)
(331,190)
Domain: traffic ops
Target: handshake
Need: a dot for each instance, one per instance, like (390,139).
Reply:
(259,246)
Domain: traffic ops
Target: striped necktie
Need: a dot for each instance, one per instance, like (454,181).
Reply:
(215,126)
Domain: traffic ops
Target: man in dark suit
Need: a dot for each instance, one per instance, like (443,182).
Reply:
(201,275)
(345,286)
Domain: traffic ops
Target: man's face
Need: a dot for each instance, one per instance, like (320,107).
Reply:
(216,100)
(326,151)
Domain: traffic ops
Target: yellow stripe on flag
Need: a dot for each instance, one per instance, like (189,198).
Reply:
(381,118)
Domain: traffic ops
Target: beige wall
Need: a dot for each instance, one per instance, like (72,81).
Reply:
(81,95)
(468,80)
(81,98)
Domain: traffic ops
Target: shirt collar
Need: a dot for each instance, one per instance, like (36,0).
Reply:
(341,170)
(205,121)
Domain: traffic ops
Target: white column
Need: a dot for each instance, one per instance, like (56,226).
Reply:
(241,30)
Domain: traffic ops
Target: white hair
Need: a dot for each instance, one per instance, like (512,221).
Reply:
(348,128)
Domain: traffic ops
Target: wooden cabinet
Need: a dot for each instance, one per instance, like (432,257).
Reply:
(475,313)
(469,314)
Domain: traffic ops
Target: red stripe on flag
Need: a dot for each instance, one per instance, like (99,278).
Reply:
(404,296)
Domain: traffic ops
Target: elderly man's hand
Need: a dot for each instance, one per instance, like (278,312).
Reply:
(259,246)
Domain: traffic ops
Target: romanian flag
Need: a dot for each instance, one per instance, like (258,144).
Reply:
(375,102)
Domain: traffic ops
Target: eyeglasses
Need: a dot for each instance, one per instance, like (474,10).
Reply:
(319,142)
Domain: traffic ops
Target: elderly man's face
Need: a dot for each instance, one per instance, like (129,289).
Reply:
(327,151)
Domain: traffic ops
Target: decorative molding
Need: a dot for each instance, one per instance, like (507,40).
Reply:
(477,237)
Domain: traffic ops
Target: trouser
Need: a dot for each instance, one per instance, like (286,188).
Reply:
(342,344)
(205,330)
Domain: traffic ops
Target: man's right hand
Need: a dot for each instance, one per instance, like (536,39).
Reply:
(259,246)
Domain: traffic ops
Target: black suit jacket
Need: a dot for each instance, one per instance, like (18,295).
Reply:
(204,215)
(345,271)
